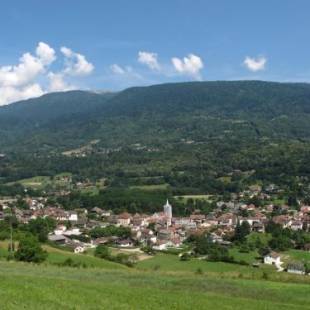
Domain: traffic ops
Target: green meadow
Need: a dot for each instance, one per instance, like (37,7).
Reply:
(159,282)
(49,287)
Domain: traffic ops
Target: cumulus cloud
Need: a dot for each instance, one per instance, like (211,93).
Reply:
(21,81)
(149,59)
(10,94)
(45,53)
(76,64)
(255,64)
(17,82)
(58,83)
(190,65)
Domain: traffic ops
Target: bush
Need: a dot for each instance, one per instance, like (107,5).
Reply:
(185,257)
(30,250)
(69,262)
(102,251)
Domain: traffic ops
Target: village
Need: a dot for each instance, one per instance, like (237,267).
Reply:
(83,229)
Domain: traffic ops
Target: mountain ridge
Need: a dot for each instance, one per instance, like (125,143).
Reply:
(181,110)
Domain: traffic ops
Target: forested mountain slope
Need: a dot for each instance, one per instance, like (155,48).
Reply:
(188,134)
(160,113)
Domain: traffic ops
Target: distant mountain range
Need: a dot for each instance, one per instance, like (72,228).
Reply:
(159,114)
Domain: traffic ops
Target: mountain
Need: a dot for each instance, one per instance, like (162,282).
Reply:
(171,111)
(170,128)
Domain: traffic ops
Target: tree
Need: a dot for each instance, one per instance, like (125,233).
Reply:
(102,251)
(30,250)
(280,243)
(41,227)
(242,231)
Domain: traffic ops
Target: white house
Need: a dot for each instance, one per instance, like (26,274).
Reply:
(79,249)
(273,258)
(73,217)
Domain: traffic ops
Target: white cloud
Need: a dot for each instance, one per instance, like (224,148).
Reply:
(57,83)
(117,69)
(76,64)
(255,64)
(45,53)
(190,65)
(10,94)
(21,81)
(149,59)
(28,68)
(17,82)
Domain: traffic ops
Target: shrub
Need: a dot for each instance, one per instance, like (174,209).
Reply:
(102,251)
(185,257)
(30,250)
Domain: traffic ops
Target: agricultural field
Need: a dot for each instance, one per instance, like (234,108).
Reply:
(62,180)
(150,187)
(185,198)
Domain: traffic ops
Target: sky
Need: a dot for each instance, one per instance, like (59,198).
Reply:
(48,46)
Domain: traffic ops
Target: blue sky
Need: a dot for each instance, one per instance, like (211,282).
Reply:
(117,44)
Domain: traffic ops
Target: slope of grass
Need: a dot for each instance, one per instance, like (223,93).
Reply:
(49,287)
(57,256)
(172,263)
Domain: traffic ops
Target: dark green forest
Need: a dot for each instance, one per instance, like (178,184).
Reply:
(194,138)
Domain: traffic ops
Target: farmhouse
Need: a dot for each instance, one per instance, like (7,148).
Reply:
(273,258)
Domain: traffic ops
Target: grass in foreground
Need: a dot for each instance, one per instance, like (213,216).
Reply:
(50,287)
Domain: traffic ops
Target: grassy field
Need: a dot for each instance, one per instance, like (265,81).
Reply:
(40,182)
(49,287)
(172,263)
(249,258)
(57,256)
(150,187)
(297,255)
(161,282)
(184,198)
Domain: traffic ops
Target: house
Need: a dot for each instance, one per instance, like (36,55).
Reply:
(72,217)
(96,211)
(296,225)
(162,245)
(59,239)
(273,258)
(79,249)
(227,220)
(258,227)
(282,220)
(215,238)
(296,267)
(197,218)
(102,240)
(125,243)
(124,219)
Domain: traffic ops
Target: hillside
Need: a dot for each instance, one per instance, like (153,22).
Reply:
(52,287)
(197,110)
(187,135)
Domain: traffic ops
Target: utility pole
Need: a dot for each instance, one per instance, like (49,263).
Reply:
(11,233)
(11,237)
